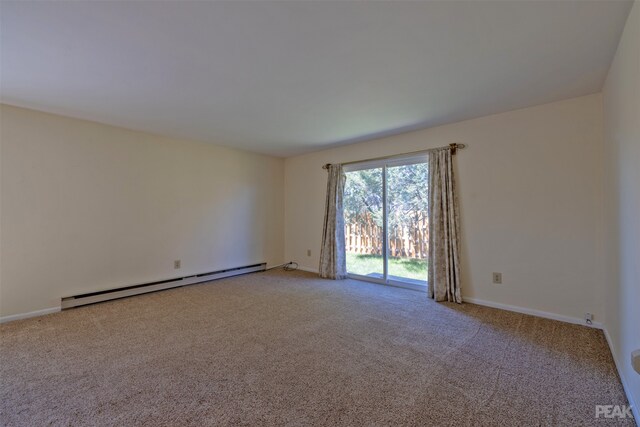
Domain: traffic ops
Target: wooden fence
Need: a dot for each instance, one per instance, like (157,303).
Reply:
(410,239)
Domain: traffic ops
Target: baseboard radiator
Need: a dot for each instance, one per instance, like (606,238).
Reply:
(127,291)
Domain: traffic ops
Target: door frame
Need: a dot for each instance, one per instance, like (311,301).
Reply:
(384,164)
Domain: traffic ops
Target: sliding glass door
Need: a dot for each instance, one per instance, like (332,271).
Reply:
(364,222)
(386,226)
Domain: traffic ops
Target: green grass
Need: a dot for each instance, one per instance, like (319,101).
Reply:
(402,267)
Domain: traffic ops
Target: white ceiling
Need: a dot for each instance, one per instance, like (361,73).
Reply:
(286,77)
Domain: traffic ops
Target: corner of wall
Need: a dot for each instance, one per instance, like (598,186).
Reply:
(621,151)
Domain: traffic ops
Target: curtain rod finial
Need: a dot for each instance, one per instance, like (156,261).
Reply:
(455,146)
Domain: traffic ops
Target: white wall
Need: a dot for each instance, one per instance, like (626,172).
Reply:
(87,207)
(621,96)
(530,186)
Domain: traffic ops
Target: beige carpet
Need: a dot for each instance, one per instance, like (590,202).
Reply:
(286,348)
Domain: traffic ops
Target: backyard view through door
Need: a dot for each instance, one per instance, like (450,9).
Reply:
(386,227)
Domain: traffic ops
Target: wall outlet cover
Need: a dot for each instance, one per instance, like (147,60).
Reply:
(635,360)
(497,278)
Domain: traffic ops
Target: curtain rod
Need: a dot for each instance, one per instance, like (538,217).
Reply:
(453,147)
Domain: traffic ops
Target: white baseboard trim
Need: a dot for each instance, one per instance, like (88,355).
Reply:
(625,385)
(308,269)
(36,313)
(532,312)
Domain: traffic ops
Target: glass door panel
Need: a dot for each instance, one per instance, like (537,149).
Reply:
(407,204)
(386,223)
(364,222)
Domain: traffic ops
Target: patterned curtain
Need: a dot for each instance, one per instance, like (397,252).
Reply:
(444,230)
(333,264)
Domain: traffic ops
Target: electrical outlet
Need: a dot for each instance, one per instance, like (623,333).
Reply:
(308,252)
(497,278)
(635,360)
(588,318)
(177,264)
